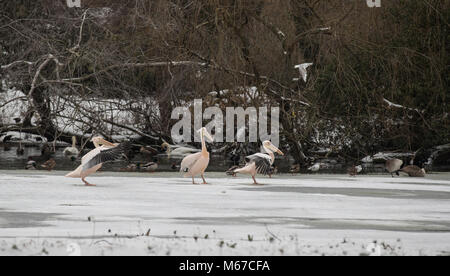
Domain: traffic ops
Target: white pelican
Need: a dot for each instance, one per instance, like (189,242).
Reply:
(394,166)
(303,68)
(71,151)
(196,164)
(93,161)
(260,163)
(178,150)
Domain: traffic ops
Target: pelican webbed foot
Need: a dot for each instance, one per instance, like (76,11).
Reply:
(87,184)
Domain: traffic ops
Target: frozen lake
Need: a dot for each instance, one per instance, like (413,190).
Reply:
(163,214)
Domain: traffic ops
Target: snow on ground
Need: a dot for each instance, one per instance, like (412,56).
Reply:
(162,214)
(74,113)
(13,105)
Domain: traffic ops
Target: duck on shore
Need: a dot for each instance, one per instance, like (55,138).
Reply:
(150,167)
(31,164)
(355,170)
(148,151)
(49,165)
(393,166)
(414,171)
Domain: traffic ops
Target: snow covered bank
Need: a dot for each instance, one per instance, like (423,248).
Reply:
(161,214)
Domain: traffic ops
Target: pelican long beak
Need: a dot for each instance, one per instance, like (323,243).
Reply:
(277,150)
(204,133)
(209,136)
(106,143)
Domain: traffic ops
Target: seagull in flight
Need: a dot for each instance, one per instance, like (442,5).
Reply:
(303,70)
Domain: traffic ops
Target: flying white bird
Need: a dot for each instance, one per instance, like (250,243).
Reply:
(303,70)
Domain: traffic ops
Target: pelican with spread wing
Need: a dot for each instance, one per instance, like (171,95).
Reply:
(260,163)
(196,164)
(104,152)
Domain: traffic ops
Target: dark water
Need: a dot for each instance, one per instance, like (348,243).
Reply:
(9,160)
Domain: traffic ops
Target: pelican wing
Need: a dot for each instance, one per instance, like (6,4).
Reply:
(263,163)
(107,155)
(189,162)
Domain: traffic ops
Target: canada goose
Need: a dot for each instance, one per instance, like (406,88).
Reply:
(393,166)
(49,165)
(414,171)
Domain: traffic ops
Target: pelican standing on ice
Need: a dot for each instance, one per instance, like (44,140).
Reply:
(260,163)
(72,151)
(104,152)
(196,164)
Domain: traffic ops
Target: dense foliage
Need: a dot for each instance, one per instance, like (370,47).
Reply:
(380,79)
